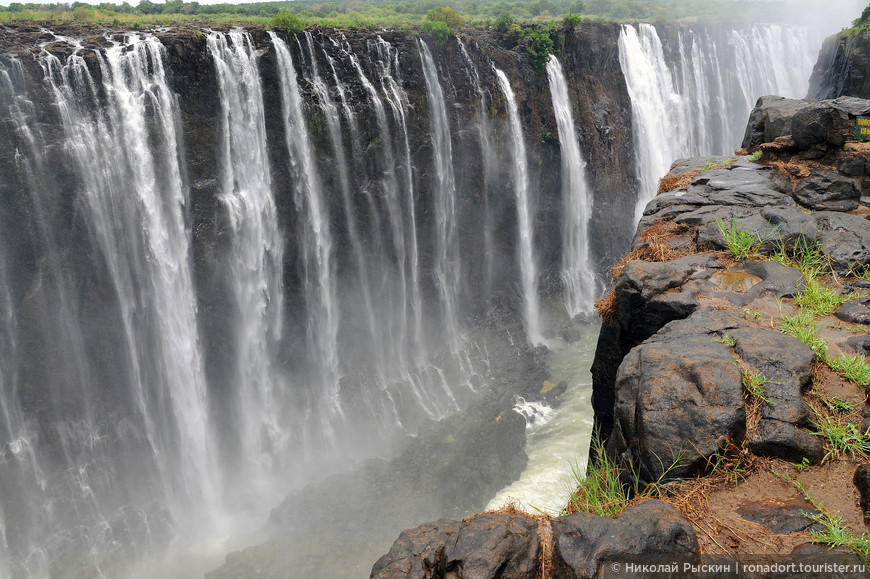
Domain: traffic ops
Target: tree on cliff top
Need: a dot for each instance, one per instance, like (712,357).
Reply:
(447,15)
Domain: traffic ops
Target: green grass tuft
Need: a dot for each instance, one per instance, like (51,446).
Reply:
(820,299)
(753,383)
(841,437)
(802,326)
(741,244)
(852,368)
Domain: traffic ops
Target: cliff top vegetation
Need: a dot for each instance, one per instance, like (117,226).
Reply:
(399,13)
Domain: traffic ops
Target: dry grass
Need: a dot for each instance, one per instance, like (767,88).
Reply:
(728,467)
(654,246)
(606,306)
(681,181)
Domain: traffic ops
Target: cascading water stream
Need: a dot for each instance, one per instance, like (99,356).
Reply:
(487,151)
(578,292)
(686,103)
(444,192)
(253,263)
(320,292)
(528,268)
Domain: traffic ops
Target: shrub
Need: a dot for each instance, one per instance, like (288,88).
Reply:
(571,21)
(539,45)
(504,22)
(286,20)
(447,15)
(437,30)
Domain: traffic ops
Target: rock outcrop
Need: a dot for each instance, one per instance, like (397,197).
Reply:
(515,546)
(667,394)
(843,68)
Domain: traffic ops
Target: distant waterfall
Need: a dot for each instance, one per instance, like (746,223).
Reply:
(692,90)
(579,290)
(528,267)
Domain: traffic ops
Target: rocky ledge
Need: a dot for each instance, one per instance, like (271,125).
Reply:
(719,361)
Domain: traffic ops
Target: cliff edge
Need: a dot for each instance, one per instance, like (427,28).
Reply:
(730,378)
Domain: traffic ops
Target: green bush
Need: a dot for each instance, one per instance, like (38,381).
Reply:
(504,22)
(447,15)
(539,45)
(571,21)
(286,20)
(437,30)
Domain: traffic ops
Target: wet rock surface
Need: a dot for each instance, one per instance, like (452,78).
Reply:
(665,382)
(678,395)
(512,546)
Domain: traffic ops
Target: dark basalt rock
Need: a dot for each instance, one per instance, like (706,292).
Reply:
(679,397)
(771,118)
(503,546)
(843,68)
(855,311)
(418,553)
(862,481)
(782,517)
(788,365)
(586,546)
(784,440)
(827,122)
(486,547)
(828,191)
(846,239)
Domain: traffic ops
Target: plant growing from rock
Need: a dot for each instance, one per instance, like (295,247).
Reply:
(820,299)
(802,326)
(603,490)
(852,368)
(841,437)
(834,404)
(741,244)
(753,383)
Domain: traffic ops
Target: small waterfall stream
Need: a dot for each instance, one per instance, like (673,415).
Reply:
(528,267)
(577,270)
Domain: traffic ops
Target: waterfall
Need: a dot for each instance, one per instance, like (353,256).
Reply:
(578,291)
(121,436)
(691,94)
(489,168)
(253,265)
(444,192)
(320,292)
(528,269)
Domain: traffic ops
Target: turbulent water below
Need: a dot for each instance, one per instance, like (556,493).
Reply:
(557,438)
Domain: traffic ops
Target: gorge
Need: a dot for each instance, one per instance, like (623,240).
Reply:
(234,263)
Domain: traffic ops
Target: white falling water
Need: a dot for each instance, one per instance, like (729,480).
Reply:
(255,256)
(444,191)
(520,169)
(115,162)
(320,292)
(578,291)
(488,155)
(695,99)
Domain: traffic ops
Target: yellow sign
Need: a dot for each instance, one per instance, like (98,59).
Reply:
(862,128)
